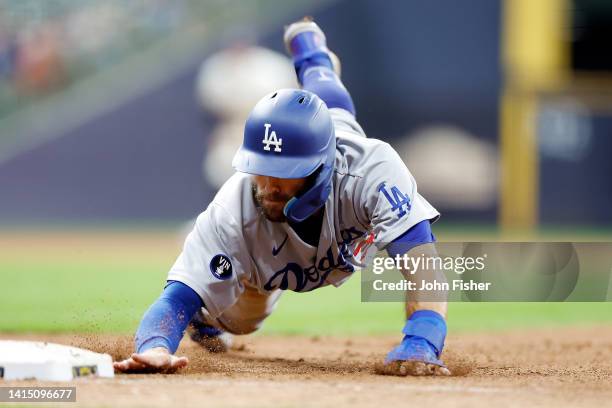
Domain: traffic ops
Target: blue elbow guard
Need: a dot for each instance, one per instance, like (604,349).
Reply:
(424,335)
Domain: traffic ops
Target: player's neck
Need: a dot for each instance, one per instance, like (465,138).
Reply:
(309,230)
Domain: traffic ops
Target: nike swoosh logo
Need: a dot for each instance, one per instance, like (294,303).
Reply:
(276,251)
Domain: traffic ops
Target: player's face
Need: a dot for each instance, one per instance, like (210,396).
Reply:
(271,194)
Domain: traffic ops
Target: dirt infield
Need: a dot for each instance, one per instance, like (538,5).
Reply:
(558,367)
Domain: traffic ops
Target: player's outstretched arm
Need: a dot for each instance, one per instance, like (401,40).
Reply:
(425,330)
(160,331)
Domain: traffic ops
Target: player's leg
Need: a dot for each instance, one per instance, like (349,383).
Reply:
(317,68)
(244,317)
(249,312)
(208,336)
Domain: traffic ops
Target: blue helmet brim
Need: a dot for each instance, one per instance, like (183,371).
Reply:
(285,167)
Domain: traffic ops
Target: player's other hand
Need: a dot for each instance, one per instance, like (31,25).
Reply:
(412,367)
(155,360)
(414,356)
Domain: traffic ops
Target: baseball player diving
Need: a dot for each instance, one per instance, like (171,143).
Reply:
(311,192)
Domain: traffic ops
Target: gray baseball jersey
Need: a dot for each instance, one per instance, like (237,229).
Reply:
(374,200)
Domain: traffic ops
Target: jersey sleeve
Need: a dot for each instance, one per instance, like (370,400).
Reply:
(387,198)
(214,260)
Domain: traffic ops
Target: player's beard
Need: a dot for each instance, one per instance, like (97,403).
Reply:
(271,205)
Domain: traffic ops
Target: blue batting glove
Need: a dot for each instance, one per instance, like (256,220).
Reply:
(414,349)
(424,335)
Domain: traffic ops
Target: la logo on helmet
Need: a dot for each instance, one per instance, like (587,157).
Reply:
(271,139)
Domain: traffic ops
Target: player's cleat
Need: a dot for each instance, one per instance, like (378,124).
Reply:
(209,337)
(305,41)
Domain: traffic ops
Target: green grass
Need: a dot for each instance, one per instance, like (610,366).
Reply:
(103,295)
(93,287)
(339,311)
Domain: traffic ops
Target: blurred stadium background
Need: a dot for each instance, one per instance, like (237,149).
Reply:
(119,119)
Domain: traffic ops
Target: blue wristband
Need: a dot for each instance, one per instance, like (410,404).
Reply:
(428,325)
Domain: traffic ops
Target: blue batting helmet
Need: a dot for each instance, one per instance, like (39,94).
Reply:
(290,134)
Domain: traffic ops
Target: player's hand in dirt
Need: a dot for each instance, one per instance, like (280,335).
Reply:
(410,367)
(155,360)
(414,356)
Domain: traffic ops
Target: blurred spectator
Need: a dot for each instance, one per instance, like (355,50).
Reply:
(39,65)
(455,170)
(229,84)
(46,45)
(8,54)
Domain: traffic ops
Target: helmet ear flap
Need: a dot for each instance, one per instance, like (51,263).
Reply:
(310,183)
(287,210)
(298,209)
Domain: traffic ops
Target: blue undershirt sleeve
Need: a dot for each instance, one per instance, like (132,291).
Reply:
(418,234)
(165,321)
